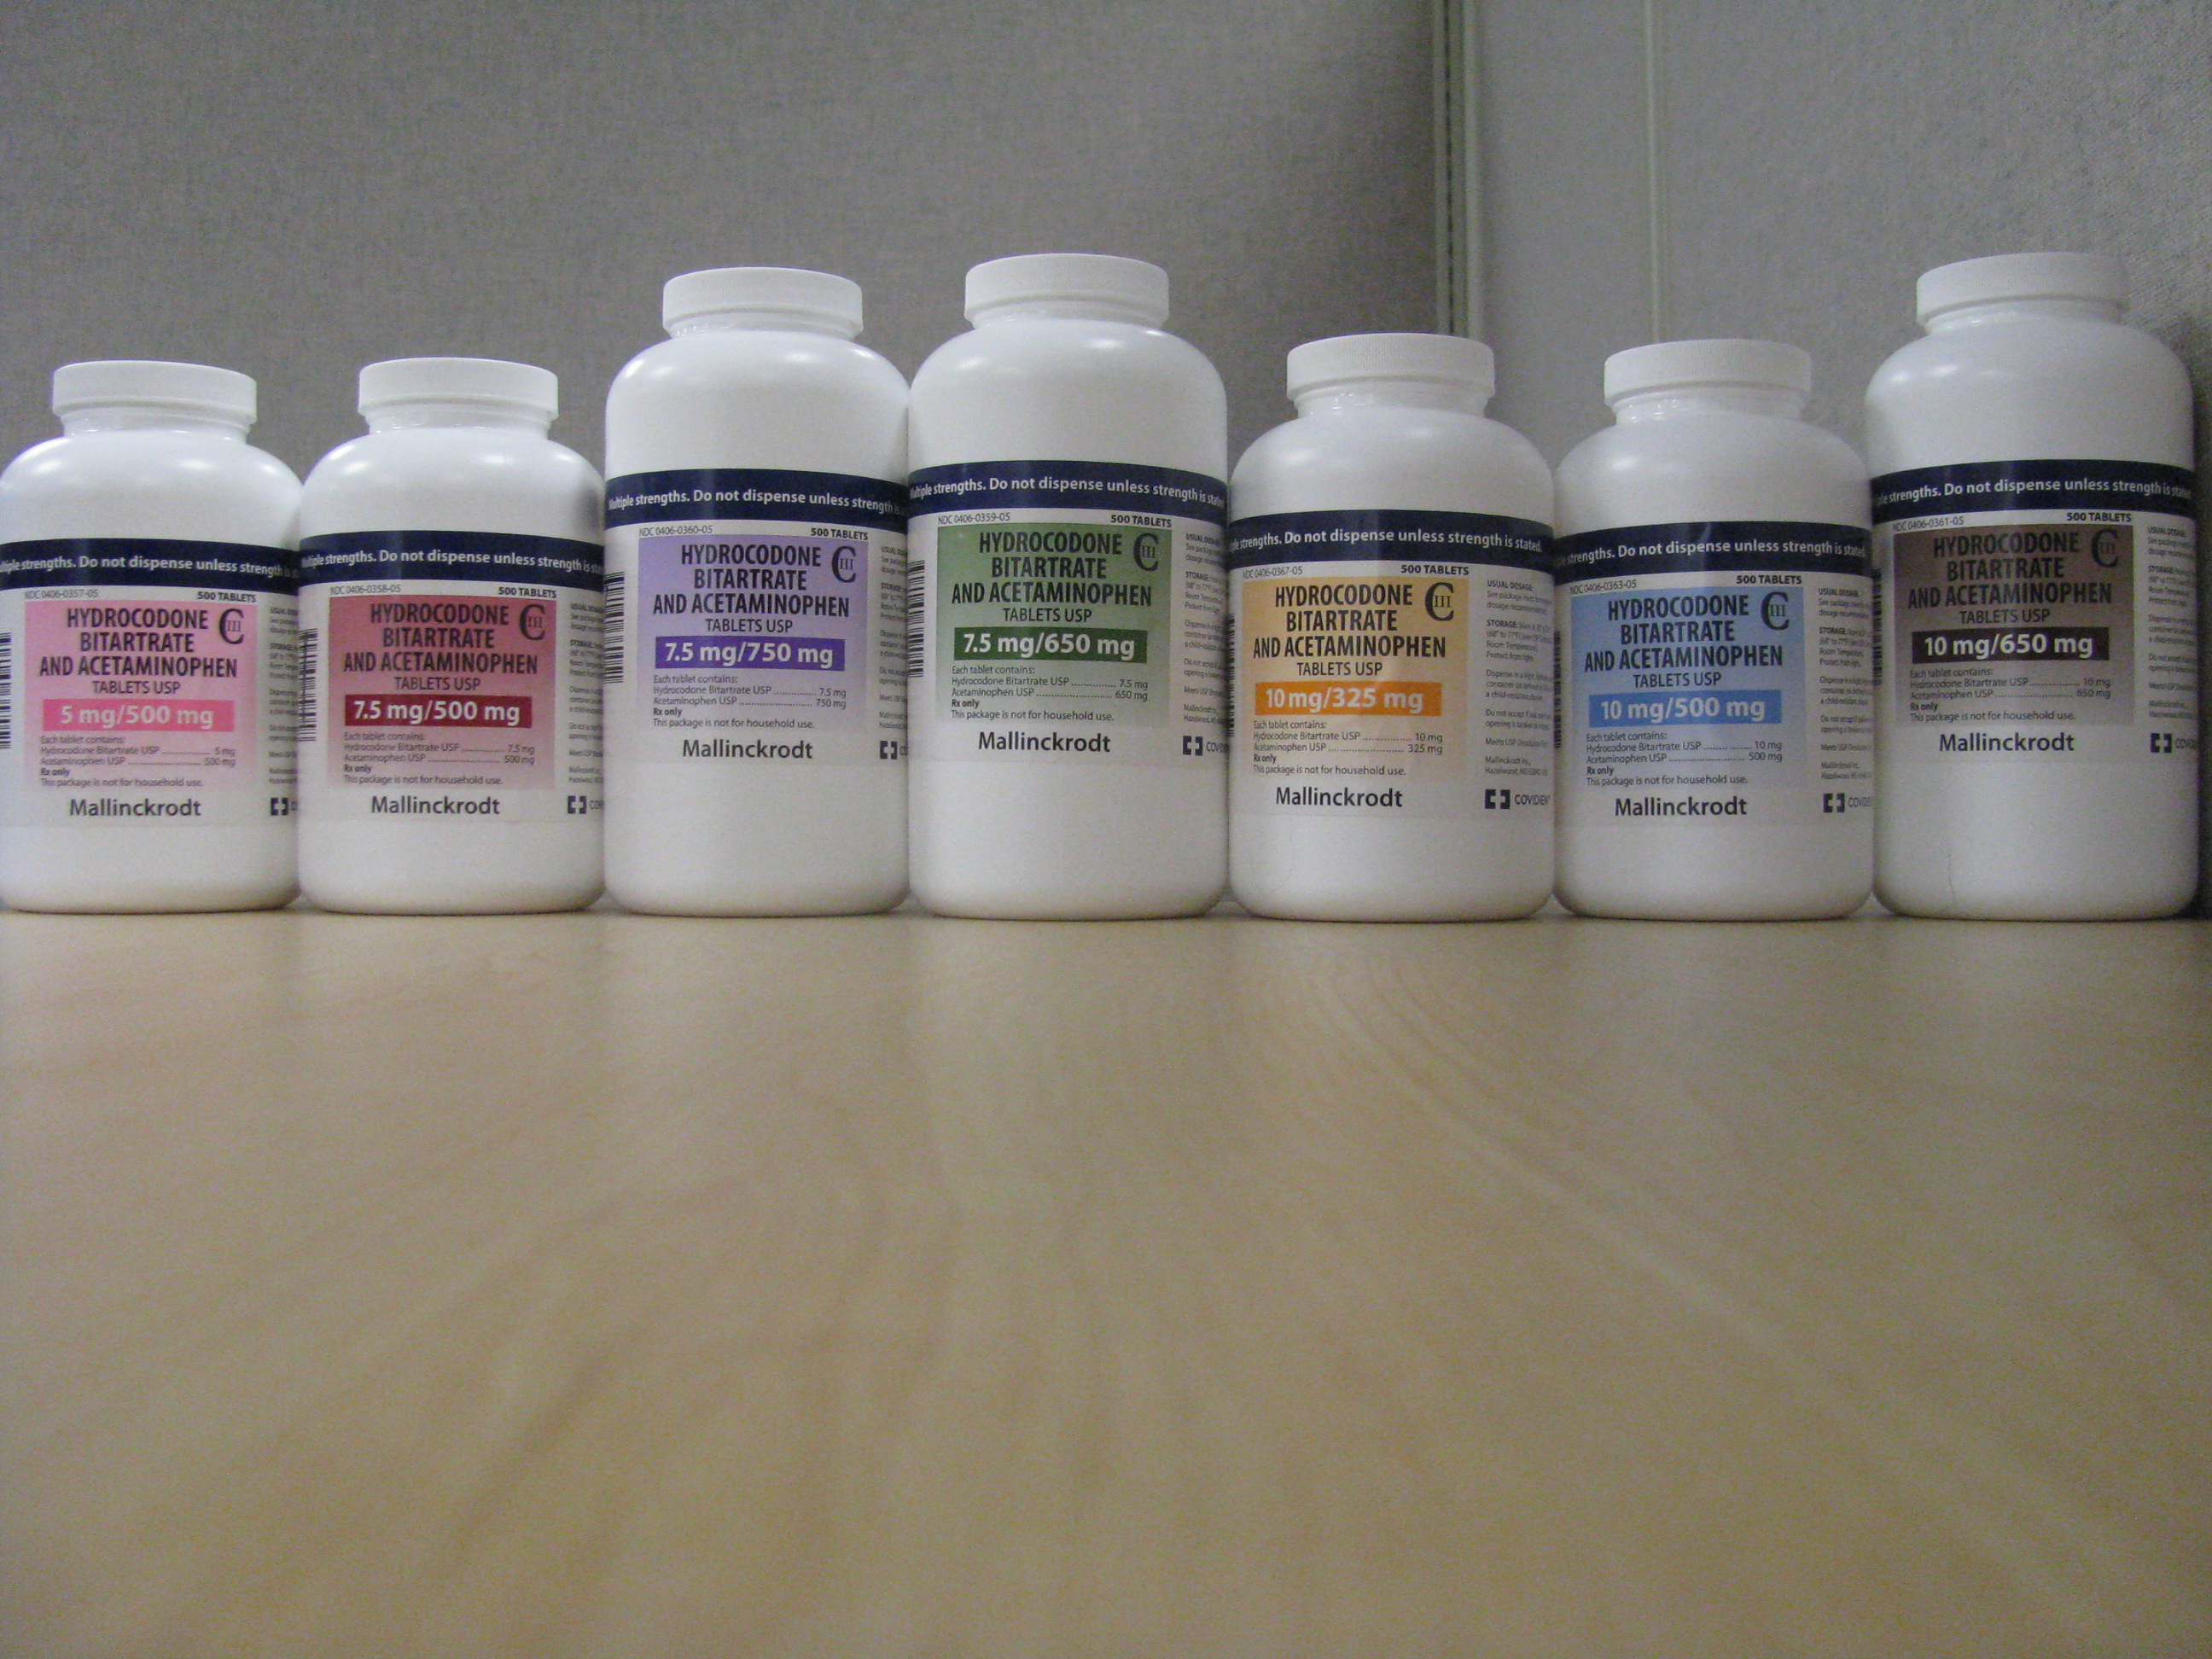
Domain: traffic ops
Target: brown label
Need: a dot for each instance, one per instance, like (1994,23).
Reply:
(2031,621)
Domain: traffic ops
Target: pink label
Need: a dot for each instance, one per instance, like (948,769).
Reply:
(446,690)
(140,691)
(135,715)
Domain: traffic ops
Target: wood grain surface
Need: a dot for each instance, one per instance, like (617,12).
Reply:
(609,1286)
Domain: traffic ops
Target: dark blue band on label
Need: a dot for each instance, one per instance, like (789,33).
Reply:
(144,561)
(449,556)
(1097,485)
(1372,533)
(1660,550)
(2027,486)
(836,498)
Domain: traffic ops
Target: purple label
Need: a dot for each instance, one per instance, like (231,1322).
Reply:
(776,651)
(724,607)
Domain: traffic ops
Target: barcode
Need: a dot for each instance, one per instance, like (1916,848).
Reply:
(7,690)
(1559,688)
(1875,619)
(917,576)
(610,650)
(311,653)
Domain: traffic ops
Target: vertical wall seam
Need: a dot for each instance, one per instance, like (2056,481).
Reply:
(1458,169)
(1655,189)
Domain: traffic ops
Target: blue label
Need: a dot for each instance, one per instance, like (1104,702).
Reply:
(1376,533)
(145,562)
(1729,544)
(1686,708)
(1709,631)
(2022,486)
(1099,485)
(1685,683)
(760,493)
(449,556)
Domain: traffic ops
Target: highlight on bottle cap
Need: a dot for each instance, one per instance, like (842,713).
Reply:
(1105,279)
(487,380)
(813,299)
(187,388)
(2095,276)
(1767,365)
(1448,359)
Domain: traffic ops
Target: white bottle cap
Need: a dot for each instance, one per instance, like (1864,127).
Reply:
(1452,358)
(1102,279)
(807,299)
(187,388)
(1766,364)
(519,386)
(2096,277)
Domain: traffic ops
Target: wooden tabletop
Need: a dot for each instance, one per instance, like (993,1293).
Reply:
(609,1286)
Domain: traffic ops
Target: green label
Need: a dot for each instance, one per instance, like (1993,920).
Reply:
(1047,617)
(1119,644)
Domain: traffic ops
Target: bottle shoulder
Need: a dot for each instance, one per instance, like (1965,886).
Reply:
(150,483)
(1051,346)
(2031,346)
(1071,389)
(717,362)
(1711,465)
(2055,387)
(473,479)
(1385,456)
(786,399)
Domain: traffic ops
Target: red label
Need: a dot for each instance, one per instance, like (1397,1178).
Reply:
(442,689)
(509,714)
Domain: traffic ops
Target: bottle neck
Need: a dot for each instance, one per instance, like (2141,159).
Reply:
(1996,311)
(763,319)
(434,412)
(1663,401)
(121,417)
(1381,393)
(1083,311)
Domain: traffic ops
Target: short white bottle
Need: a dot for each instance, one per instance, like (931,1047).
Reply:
(146,625)
(1717,742)
(2036,535)
(1390,604)
(450,644)
(1068,502)
(755,699)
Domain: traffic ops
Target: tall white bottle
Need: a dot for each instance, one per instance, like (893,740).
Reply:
(1068,503)
(755,689)
(450,645)
(146,622)
(2036,535)
(1716,742)
(1389,556)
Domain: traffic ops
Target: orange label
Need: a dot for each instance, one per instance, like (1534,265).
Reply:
(1424,699)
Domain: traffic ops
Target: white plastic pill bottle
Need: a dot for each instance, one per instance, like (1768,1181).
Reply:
(1065,603)
(755,699)
(449,650)
(2034,500)
(1390,598)
(147,613)
(1717,720)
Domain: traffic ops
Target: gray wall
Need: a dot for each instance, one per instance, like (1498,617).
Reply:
(298,187)
(1812,159)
